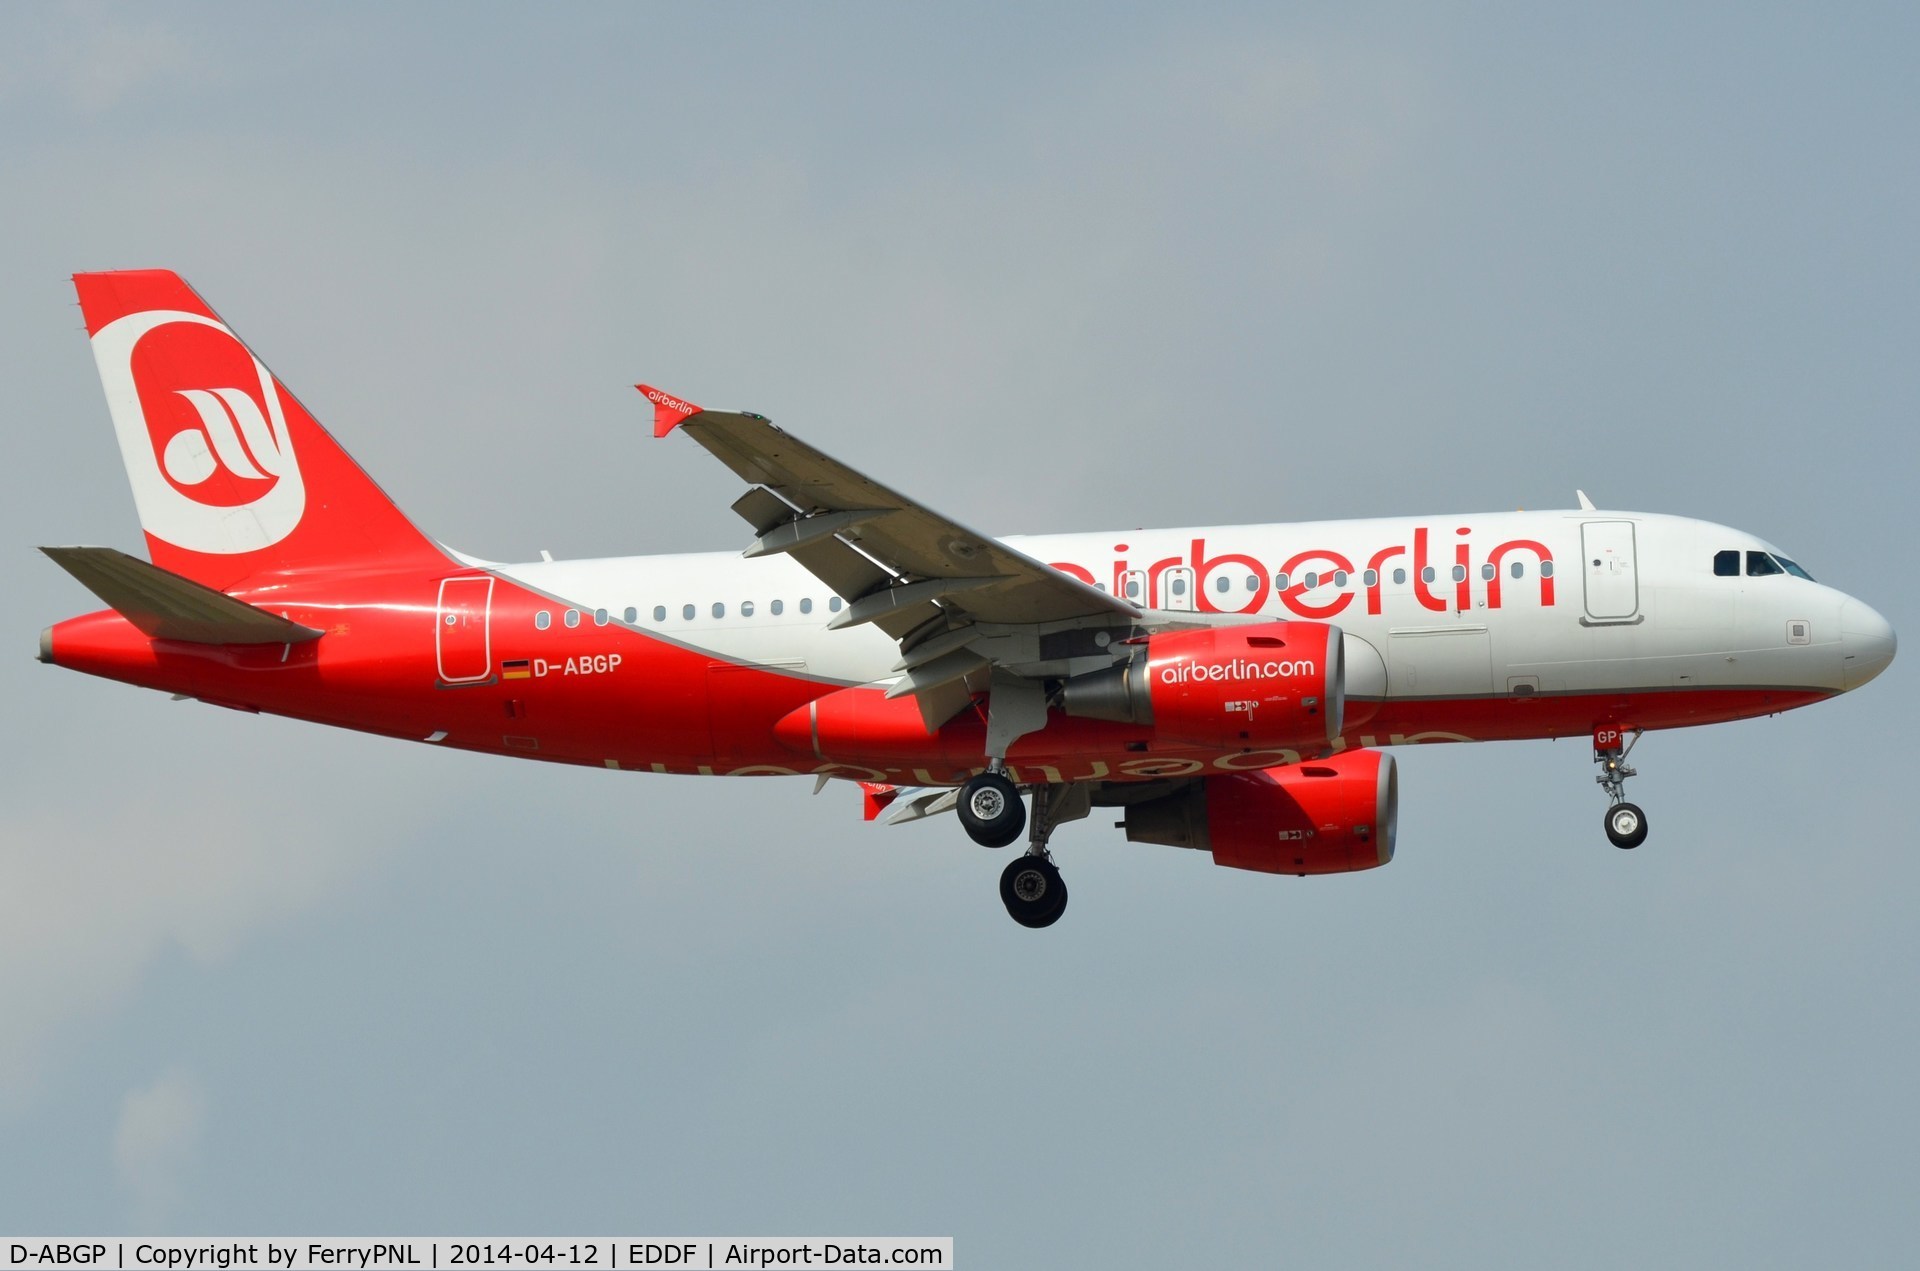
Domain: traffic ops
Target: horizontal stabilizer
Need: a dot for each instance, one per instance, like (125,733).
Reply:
(166,606)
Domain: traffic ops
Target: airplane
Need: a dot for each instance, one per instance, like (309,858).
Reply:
(1228,689)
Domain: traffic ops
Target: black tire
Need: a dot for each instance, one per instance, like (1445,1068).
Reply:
(1033,891)
(1626,825)
(991,810)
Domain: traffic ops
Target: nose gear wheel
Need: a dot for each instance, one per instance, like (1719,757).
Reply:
(1625,823)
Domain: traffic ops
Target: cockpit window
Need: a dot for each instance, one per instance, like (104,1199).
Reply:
(1793,569)
(1726,564)
(1759,565)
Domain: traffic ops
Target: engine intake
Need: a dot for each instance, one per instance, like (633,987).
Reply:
(1273,684)
(1330,816)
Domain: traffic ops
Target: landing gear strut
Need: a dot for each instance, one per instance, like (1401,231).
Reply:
(1031,886)
(1625,823)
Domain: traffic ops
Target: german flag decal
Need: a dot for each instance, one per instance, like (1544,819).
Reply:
(519,669)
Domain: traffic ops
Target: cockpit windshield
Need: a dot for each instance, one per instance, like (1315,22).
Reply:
(1759,565)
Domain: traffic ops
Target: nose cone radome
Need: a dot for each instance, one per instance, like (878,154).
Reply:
(1866,644)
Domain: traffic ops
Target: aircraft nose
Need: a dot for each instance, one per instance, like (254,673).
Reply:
(1866,644)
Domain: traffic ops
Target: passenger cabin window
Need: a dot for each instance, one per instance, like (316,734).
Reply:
(1487,572)
(1759,565)
(632,615)
(777,607)
(1726,564)
(1179,586)
(746,609)
(719,609)
(600,617)
(1222,583)
(573,617)
(1339,577)
(1253,584)
(1459,573)
(806,604)
(542,620)
(686,612)
(1546,569)
(1280,582)
(1518,569)
(1399,577)
(1310,581)
(833,603)
(1371,578)
(659,613)
(1426,574)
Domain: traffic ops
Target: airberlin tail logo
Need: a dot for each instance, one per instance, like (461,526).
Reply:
(202,432)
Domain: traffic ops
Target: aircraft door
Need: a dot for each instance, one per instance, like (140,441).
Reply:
(1176,587)
(462,641)
(1613,586)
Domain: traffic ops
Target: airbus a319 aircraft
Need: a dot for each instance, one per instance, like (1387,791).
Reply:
(1228,688)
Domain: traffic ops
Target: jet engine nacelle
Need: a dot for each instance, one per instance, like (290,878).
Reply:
(1330,816)
(1259,687)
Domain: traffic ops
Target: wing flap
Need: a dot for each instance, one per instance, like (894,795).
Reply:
(165,606)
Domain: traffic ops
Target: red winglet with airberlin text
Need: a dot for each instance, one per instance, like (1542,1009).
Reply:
(668,410)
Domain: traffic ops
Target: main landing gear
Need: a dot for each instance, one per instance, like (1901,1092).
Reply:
(991,811)
(990,808)
(1625,823)
(1033,891)
(1031,887)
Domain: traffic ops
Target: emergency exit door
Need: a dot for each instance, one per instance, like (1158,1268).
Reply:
(1176,588)
(462,641)
(1613,586)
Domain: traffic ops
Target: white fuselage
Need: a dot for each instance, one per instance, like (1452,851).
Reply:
(1457,606)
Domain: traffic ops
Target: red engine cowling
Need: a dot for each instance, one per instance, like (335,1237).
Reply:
(1258,687)
(1328,816)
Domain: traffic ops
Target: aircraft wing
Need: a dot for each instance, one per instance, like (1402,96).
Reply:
(922,578)
(844,527)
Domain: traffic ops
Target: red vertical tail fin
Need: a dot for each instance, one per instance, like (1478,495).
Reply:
(232,477)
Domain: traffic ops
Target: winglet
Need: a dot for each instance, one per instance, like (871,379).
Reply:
(668,410)
(877,798)
(1586,504)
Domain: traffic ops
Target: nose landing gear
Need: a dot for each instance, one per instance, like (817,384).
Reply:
(1625,823)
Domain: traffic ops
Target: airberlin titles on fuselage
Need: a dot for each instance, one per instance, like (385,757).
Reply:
(1333,571)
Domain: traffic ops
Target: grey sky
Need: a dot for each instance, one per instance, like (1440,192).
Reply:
(1047,268)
